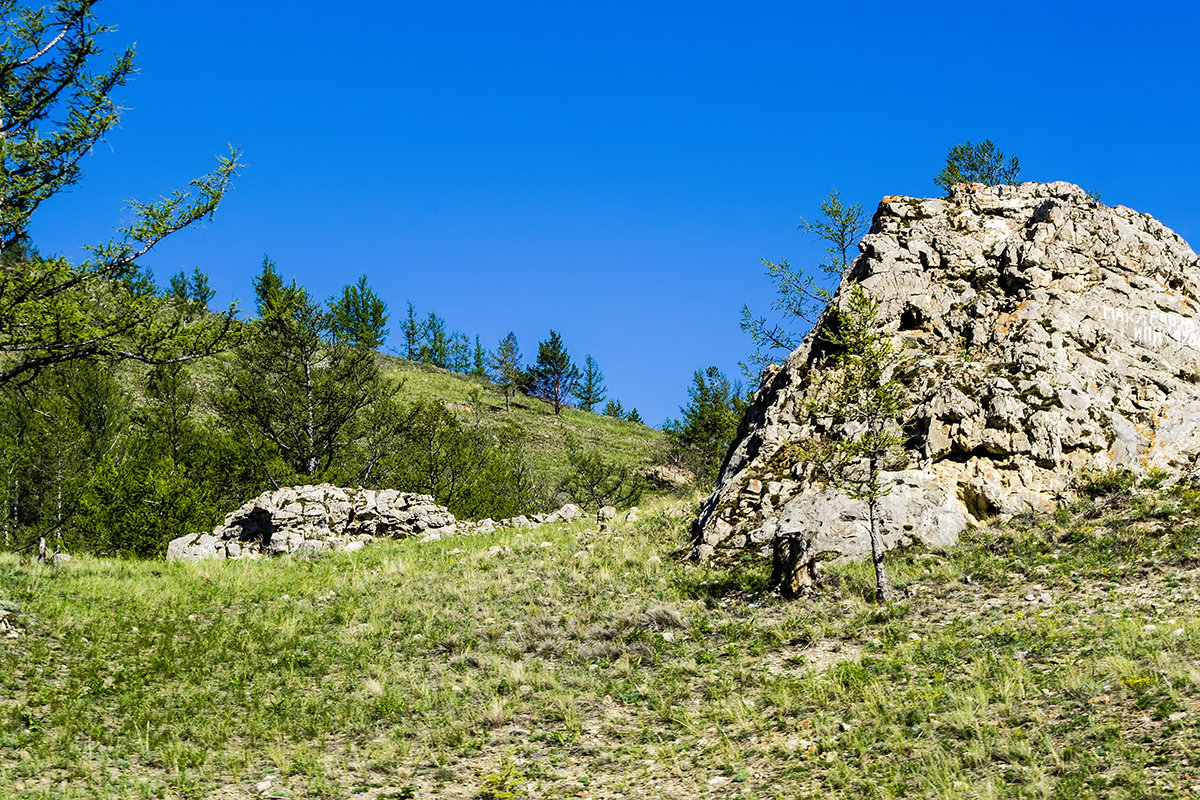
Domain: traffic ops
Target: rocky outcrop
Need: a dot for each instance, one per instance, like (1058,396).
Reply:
(316,518)
(1046,334)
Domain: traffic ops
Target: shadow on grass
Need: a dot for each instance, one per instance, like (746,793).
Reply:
(707,583)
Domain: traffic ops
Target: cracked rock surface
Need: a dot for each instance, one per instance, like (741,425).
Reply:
(1045,334)
(315,518)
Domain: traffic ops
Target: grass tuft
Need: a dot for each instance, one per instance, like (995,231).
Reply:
(1051,657)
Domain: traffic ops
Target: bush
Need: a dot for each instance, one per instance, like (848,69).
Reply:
(1101,483)
(594,481)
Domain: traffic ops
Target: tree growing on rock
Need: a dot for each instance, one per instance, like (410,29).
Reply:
(857,404)
(977,163)
(554,376)
(801,297)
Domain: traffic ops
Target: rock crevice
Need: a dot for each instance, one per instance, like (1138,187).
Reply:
(1046,334)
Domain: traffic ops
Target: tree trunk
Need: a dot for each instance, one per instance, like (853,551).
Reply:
(793,568)
(883,589)
(310,426)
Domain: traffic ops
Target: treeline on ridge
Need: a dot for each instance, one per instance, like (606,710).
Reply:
(119,459)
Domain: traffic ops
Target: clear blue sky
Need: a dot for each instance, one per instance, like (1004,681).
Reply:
(612,170)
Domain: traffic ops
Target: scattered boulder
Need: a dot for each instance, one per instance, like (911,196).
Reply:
(10,626)
(667,476)
(568,513)
(1047,334)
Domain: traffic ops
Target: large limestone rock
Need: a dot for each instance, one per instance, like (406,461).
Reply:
(316,518)
(1048,334)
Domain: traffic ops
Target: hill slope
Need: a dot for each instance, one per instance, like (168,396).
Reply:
(1050,658)
(546,435)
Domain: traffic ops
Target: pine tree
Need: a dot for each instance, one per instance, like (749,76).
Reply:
(977,163)
(591,389)
(554,376)
(506,367)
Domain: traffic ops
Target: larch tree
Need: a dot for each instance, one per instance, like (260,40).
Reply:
(801,296)
(55,105)
(359,315)
(506,367)
(591,389)
(479,360)
(710,420)
(858,405)
(412,335)
(298,389)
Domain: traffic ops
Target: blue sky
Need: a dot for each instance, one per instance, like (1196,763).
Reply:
(612,170)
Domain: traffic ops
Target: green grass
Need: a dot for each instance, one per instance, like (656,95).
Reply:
(546,435)
(564,662)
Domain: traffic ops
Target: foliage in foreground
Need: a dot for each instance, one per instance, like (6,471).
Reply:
(1049,658)
(56,101)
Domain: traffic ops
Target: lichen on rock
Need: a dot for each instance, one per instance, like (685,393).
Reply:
(316,518)
(1046,334)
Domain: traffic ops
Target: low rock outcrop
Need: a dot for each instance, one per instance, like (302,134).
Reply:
(316,518)
(324,517)
(1048,334)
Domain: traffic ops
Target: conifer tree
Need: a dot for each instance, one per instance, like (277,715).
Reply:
(591,389)
(801,297)
(359,315)
(554,375)
(297,390)
(710,420)
(479,360)
(977,163)
(613,408)
(412,335)
(858,405)
(435,346)
(506,367)
(55,105)
(460,353)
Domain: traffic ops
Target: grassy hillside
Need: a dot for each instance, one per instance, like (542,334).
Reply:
(546,435)
(1047,658)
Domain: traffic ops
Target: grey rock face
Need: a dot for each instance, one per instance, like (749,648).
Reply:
(1047,334)
(316,518)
